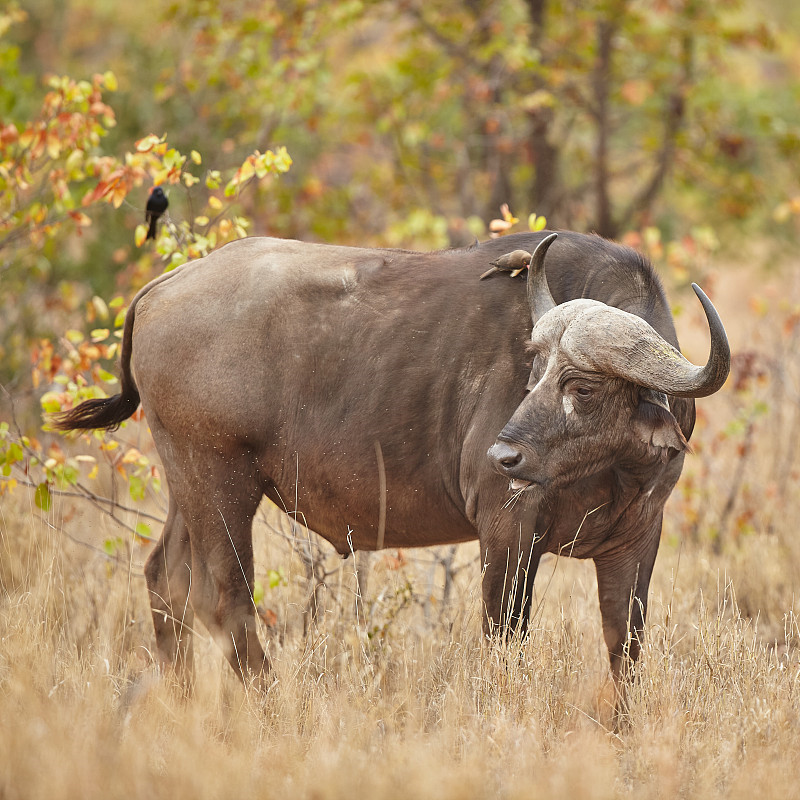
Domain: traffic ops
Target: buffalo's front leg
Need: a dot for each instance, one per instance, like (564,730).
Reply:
(509,567)
(623,580)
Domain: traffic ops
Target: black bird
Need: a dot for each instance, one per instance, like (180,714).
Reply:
(156,205)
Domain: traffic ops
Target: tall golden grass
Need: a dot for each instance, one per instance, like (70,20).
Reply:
(393,693)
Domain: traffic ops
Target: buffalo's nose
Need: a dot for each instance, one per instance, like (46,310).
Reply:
(505,456)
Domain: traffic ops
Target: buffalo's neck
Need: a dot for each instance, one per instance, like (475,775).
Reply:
(588,518)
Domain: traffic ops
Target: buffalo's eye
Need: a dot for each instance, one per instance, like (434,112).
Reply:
(583,392)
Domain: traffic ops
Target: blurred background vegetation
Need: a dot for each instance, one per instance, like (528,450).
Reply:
(410,123)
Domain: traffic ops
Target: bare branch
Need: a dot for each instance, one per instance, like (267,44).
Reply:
(674,117)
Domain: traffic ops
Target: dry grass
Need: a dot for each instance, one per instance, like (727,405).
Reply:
(393,695)
(385,702)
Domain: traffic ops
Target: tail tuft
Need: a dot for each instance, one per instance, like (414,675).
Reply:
(105,412)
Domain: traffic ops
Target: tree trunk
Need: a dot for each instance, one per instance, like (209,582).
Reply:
(544,192)
(604,222)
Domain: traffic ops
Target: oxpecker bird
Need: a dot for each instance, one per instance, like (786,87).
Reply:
(513,262)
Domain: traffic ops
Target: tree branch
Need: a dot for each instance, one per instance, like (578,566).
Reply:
(674,117)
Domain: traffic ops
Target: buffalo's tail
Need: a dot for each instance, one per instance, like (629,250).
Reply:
(99,412)
(107,412)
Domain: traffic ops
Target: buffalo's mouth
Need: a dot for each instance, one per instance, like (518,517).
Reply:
(509,460)
(519,486)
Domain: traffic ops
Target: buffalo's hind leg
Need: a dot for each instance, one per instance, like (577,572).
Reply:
(218,496)
(168,572)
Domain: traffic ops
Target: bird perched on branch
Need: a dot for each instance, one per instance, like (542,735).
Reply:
(514,262)
(157,204)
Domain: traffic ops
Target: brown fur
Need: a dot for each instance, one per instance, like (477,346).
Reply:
(274,367)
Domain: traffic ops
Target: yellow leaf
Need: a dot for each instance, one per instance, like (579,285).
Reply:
(100,307)
(214,203)
(538,99)
(140,235)
(147,143)
(245,172)
(53,145)
(536,223)
(110,80)
(196,157)
(507,215)
(201,220)
(759,306)
(92,473)
(132,456)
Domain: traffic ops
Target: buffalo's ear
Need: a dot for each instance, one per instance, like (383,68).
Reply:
(655,425)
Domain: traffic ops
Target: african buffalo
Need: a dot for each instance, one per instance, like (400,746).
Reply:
(397,400)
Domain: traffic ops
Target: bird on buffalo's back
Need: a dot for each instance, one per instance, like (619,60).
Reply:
(513,262)
(157,204)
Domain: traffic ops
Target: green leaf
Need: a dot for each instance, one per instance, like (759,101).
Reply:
(276,577)
(42,497)
(258,591)
(51,402)
(67,474)
(100,334)
(136,487)
(112,545)
(143,531)
(536,223)
(14,453)
(110,80)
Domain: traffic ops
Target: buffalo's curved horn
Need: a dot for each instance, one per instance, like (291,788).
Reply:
(636,352)
(539,297)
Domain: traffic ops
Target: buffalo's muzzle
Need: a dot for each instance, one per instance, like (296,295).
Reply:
(506,458)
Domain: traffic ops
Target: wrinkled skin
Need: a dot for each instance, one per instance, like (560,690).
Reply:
(274,367)
(601,458)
